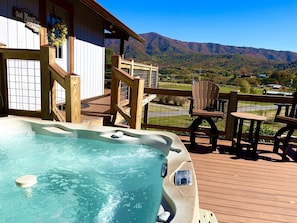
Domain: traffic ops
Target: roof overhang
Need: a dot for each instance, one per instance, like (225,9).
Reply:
(117,29)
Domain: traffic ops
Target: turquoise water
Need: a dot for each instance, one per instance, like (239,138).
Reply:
(79,180)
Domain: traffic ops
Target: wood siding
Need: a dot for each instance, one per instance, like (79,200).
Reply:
(89,51)
(13,33)
(89,65)
(23,76)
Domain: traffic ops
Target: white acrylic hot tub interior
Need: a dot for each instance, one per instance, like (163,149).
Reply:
(180,201)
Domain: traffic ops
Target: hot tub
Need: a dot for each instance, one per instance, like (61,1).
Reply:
(77,178)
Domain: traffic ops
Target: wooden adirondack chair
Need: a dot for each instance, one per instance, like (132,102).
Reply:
(284,134)
(204,105)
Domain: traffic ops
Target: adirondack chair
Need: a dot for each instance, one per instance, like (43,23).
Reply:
(284,134)
(204,106)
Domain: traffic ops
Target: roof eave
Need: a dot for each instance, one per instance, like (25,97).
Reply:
(94,6)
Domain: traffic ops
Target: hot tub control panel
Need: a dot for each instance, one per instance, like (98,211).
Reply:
(183,177)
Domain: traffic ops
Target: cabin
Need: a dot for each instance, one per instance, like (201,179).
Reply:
(76,28)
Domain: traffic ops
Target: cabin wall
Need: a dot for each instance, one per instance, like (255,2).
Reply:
(23,76)
(13,33)
(89,51)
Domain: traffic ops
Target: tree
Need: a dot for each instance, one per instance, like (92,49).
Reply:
(245,86)
(108,55)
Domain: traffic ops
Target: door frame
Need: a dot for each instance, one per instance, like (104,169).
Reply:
(43,32)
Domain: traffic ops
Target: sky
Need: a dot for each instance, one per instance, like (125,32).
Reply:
(268,24)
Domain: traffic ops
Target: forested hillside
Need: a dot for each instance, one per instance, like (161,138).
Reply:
(189,59)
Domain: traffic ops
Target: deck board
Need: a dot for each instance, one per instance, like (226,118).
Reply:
(245,190)
(97,109)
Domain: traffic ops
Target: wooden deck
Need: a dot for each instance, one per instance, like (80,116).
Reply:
(97,110)
(246,190)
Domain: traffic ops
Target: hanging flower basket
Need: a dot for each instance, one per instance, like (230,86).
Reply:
(58,34)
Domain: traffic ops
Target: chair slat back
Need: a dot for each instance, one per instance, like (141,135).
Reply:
(205,95)
(293,112)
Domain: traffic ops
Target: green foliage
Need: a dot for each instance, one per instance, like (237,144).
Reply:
(172,100)
(267,131)
(108,55)
(245,87)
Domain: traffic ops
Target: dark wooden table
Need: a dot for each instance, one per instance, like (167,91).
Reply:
(253,135)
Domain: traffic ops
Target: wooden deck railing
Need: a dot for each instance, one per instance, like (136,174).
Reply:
(6,54)
(233,99)
(130,109)
(51,74)
(128,80)
(147,72)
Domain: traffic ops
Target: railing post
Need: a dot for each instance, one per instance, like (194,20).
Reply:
(136,103)
(47,56)
(150,74)
(116,61)
(73,102)
(132,68)
(115,86)
(230,121)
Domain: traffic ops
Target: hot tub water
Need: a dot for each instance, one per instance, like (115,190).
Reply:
(79,180)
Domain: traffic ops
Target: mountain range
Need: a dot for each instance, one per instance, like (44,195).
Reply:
(167,52)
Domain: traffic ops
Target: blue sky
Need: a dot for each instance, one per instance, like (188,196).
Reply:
(268,24)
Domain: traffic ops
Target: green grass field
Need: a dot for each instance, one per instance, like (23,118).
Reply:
(223,89)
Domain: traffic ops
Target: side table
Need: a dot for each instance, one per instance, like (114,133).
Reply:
(253,136)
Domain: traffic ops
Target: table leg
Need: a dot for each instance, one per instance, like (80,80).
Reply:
(238,140)
(234,135)
(257,133)
(251,133)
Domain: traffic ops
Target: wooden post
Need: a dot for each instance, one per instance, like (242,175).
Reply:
(136,103)
(230,120)
(145,113)
(43,23)
(116,61)
(122,46)
(131,72)
(71,44)
(115,86)
(47,56)
(3,86)
(53,95)
(73,102)
(150,73)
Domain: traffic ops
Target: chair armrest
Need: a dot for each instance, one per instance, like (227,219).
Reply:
(287,120)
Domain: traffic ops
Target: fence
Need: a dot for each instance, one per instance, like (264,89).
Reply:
(24,82)
(170,111)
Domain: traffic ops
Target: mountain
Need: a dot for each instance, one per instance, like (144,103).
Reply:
(178,57)
(158,45)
